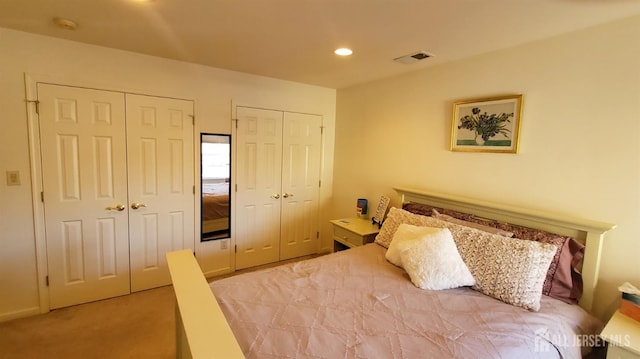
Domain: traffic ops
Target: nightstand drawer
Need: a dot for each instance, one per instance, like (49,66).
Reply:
(347,236)
(353,232)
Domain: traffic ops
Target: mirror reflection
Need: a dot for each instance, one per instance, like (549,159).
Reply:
(215,159)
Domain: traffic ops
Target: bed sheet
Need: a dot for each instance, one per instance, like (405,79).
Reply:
(355,304)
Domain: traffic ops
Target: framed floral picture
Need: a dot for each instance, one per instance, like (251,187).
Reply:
(487,124)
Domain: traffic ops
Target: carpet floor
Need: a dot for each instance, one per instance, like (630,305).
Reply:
(140,325)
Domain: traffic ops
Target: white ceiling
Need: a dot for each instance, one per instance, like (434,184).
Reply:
(294,39)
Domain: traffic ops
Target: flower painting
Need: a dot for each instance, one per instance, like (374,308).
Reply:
(486,125)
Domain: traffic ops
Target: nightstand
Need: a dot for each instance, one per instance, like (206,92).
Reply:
(352,232)
(623,336)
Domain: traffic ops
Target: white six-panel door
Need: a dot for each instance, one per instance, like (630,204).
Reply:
(258,180)
(277,177)
(300,184)
(85,189)
(118,189)
(160,158)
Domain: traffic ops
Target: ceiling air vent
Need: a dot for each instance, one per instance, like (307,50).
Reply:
(411,58)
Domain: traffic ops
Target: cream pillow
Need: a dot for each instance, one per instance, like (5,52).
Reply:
(405,236)
(509,269)
(433,262)
(394,219)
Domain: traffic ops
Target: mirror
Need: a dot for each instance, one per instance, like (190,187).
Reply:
(215,169)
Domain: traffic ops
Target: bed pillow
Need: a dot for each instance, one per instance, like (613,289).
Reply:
(509,269)
(433,262)
(405,236)
(418,208)
(563,281)
(482,227)
(394,219)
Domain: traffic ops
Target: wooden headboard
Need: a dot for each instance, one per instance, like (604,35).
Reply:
(590,233)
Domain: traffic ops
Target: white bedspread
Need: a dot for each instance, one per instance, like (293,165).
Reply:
(354,304)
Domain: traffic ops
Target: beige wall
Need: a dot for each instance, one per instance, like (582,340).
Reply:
(73,63)
(579,148)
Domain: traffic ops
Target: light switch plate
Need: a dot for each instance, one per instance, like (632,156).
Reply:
(13,178)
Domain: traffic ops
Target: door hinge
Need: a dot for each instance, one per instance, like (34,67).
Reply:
(46,280)
(236,185)
(194,189)
(319,183)
(37,105)
(318,234)
(42,196)
(321,130)
(235,248)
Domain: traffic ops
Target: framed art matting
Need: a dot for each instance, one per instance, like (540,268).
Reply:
(487,124)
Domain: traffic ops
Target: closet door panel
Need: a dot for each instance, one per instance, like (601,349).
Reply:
(83,146)
(258,180)
(160,172)
(300,184)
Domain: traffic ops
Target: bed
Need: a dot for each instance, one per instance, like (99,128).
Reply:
(215,207)
(356,303)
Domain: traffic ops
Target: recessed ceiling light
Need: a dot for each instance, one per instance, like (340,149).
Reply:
(343,51)
(65,23)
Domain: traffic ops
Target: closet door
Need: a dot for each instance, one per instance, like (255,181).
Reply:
(301,142)
(161,185)
(258,179)
(82,135)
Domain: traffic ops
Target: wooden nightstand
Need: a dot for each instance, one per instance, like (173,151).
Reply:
(623,336)
(353,232)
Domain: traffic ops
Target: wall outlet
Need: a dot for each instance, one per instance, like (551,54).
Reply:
(224,244)
(13,178)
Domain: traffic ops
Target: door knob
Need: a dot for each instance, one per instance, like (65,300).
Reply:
(287,195)
(117,207)
(136,205)
(276,196)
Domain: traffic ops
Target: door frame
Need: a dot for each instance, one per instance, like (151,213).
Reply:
(31,81)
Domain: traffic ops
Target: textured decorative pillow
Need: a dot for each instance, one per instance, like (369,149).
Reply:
(433,262)
(482,227)
(406,235)
(418,208)
(509,269)
(395,217)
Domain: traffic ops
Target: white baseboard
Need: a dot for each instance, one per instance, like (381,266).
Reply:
(19,314)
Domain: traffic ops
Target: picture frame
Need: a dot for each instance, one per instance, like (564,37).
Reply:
(489,124)
(378,217)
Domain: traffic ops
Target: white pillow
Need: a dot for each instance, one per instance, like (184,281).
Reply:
(433,262)
(403,238)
